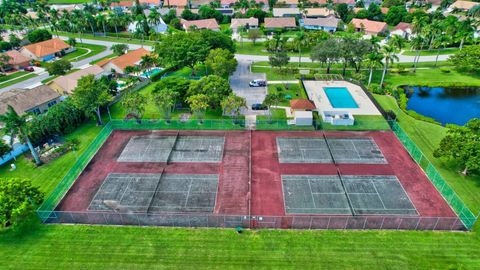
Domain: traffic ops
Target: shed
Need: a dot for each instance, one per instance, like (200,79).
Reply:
(303,118)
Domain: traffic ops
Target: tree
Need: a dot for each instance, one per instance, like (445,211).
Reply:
(165,100)
(18,200)
(178,85)
(254,34)
(395,15)
(90,95)
(232,105)
(188,15)
(4,148)
(462,144)
(134,103)
(198,104)
(16,125)
(215,87)
(147,62)
(4,59)
(440,42)
(300,41)
(417,43)
(389,57)
(59,67)
(72,42)
(467,59)
(279,59)
(38,35)
(14,40)
(327,52)
(373,61)
(119,49)
(342,11)
(272,99)
(222,62)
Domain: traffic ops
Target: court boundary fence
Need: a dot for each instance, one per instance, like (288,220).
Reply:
(47,212)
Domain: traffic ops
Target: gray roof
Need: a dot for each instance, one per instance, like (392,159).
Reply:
(23,100)
(325,22)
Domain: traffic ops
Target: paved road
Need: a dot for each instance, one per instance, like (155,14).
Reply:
(239,83)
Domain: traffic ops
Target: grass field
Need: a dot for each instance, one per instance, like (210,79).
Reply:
(362,122)
(284,90)
(431,52)
(13,76)
(84,51)
(17,79)
(108,38)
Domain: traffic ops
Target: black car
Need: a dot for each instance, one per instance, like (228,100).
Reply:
(259,107)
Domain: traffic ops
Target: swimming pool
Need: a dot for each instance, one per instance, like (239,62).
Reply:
(151,72)
(340,97)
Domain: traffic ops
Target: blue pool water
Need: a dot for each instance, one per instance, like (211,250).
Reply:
(446,105)
(151,72)
(340,97)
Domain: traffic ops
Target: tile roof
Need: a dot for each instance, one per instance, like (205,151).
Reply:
(319,12)
(280,22)
(302,104)
(175,3)
(369,26)
(23,100)
(201,24)
(232,2)
(129,59)
(150,2)
(465,5)
(403,26)
(236,23)
(47,47)
(279,12)
(17,58)
(288,2)
(69,82)
(122,4)
(326,22)
(323,2)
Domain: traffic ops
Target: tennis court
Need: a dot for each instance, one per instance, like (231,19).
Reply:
(155,148)
(153,193)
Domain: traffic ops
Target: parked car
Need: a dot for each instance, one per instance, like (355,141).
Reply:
(259,107)
(29,69)
(258,83)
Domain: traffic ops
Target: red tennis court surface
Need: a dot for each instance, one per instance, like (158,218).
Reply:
(250,181)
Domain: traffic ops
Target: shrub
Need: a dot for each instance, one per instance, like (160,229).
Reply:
(445,70)
(157,76)
(375,88)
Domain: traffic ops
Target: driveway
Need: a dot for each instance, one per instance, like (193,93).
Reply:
(239,83)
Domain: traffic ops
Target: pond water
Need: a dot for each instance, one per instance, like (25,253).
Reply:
(446,105)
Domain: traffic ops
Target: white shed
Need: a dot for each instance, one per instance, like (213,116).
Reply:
(303,118)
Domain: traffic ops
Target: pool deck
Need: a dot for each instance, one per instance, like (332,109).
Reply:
(316,93)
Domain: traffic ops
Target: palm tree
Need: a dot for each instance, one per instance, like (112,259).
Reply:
(373,61)
(389,56)
(375,42)
(16,125)
(440,42)
(417,44)
(4,62)
(300,40)
(114,20)
(464,31)
(146,63)
(101,20)
(397,42)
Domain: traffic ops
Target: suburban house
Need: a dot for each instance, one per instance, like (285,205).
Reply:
(230,3)
(118,64)
(151,3)
(160,27)
(46,50)
(318,12)
(370,28)
(462,5)
(328,24)
(200,24)
(248,23)
(287,12)
(175,3)
(280,23)
(17,60)
(287,3)
(403,29)
(64,85)
(121,6)
(36,100)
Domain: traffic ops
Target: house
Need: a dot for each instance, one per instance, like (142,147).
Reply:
(328,24)
(318,12)
(151,3)
(249,23)
(287,12)
(367,3)
(160,27)
(46,50)
(287,3)
(403,29)
(280,23)
(198,3)
(121,6)
(370,28)
(301,104)
(64,85)
(118,64)
(175,3)
(17,60)
(226,11)
(462,5)
(36,100)
(350,3)
(230,3)
(200,24)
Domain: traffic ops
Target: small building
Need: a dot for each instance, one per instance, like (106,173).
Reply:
(328,24)
(338,118)
(160,27)
(248,23)
(370,28)
(403,29)
(287,12)
(175,3)
(120,63)
(301,104)
(462,5)
(280,23)
(318,12)
(46,50)
(303,118)
(64,85)
(36,100)
(200,24)
(17,60)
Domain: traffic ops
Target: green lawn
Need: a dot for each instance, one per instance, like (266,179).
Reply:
(431,52)
(293,90)
(17,80)
(13,76)
(362,122)
(432,77)
(84,51)
(56,76)
(278,122)
(108,38)
(110,56)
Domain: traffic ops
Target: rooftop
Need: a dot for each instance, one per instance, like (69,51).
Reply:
(129,59)
(369,26)
(69,82)
(23,100)
(47,47)
(201,24)
(280,22)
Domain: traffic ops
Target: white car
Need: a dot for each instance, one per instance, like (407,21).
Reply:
(258,83)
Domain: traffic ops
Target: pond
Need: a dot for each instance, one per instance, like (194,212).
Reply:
(445,105)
